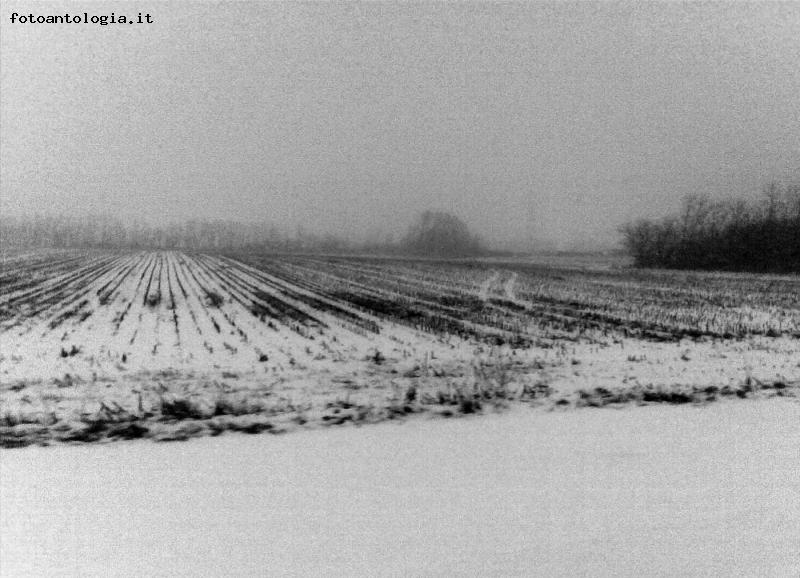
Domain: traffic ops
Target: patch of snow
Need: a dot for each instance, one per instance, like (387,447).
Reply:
(654,491)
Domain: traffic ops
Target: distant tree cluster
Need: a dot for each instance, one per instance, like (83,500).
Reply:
(732,235)
(440,234)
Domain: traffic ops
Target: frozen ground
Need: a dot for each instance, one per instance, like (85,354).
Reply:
(652,491)
(170,345)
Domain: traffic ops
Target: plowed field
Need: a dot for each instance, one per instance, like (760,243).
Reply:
(102,345)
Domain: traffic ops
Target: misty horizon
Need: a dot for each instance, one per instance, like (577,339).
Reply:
(424,288)
(364,240)
(539,125)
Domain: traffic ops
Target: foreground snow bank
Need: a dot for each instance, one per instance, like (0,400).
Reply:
(657,490)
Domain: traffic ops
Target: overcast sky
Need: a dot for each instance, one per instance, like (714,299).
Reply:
(552,120)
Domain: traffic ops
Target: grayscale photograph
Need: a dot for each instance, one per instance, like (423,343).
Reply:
(388,288)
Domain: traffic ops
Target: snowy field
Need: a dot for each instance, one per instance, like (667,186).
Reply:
(169,345)
(652,491)
(635,423)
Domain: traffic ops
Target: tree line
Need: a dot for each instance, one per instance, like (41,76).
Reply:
(729,235)
(433,233)
(106,232)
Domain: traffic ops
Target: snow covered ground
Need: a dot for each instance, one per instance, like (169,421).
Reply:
(99,339)
(708,490)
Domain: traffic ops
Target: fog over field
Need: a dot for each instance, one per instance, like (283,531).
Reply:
(539,124)
(506,288)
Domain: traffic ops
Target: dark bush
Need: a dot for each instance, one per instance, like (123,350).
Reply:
(729,235)
(441,234)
